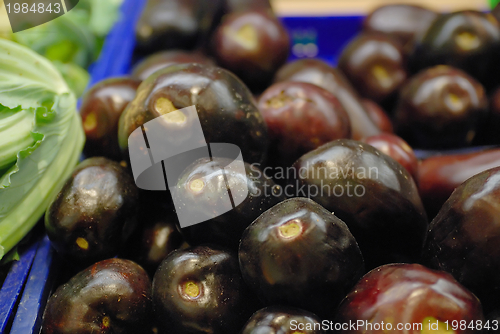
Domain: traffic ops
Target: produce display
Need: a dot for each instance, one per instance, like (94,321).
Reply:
(366,200)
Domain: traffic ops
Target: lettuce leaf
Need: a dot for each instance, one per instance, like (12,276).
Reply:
(32,92)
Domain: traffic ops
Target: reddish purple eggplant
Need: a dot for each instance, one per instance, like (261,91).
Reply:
(378,115)
(301,117)
(376,65)
(253,45)
(464,237)
(396,148)
(319,73)
(409,298)
(111,296)
(439,176)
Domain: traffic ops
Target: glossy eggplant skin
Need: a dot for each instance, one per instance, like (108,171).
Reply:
(282,319)
(158,235)
(467,40)
(411,295)
(319,73)
(439,176)
(101,108)
(163,59)
(200,290)
(175,24)
(226,229)
(299,254)
(372,193)
(111,296)
(226,108)
(489,134)
(376,65)
(463,238)
(301,117)
(401,21)
(378,115)
(396,148)
(253,45)
(441,107)
(94,213)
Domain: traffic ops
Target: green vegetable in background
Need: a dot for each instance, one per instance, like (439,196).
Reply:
(73,41)
(41,139)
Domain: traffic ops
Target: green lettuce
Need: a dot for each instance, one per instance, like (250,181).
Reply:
(72,41)
(41,139)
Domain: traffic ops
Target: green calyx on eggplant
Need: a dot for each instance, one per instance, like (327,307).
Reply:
(372,193)
(299,254)
(94,213)
(111,296)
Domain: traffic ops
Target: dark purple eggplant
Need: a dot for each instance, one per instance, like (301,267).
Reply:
(464,237)
(102,106)
(200,290)
(94,213)
(441,107)
(299,254)
(372,193)
(253,45)
(225,107)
